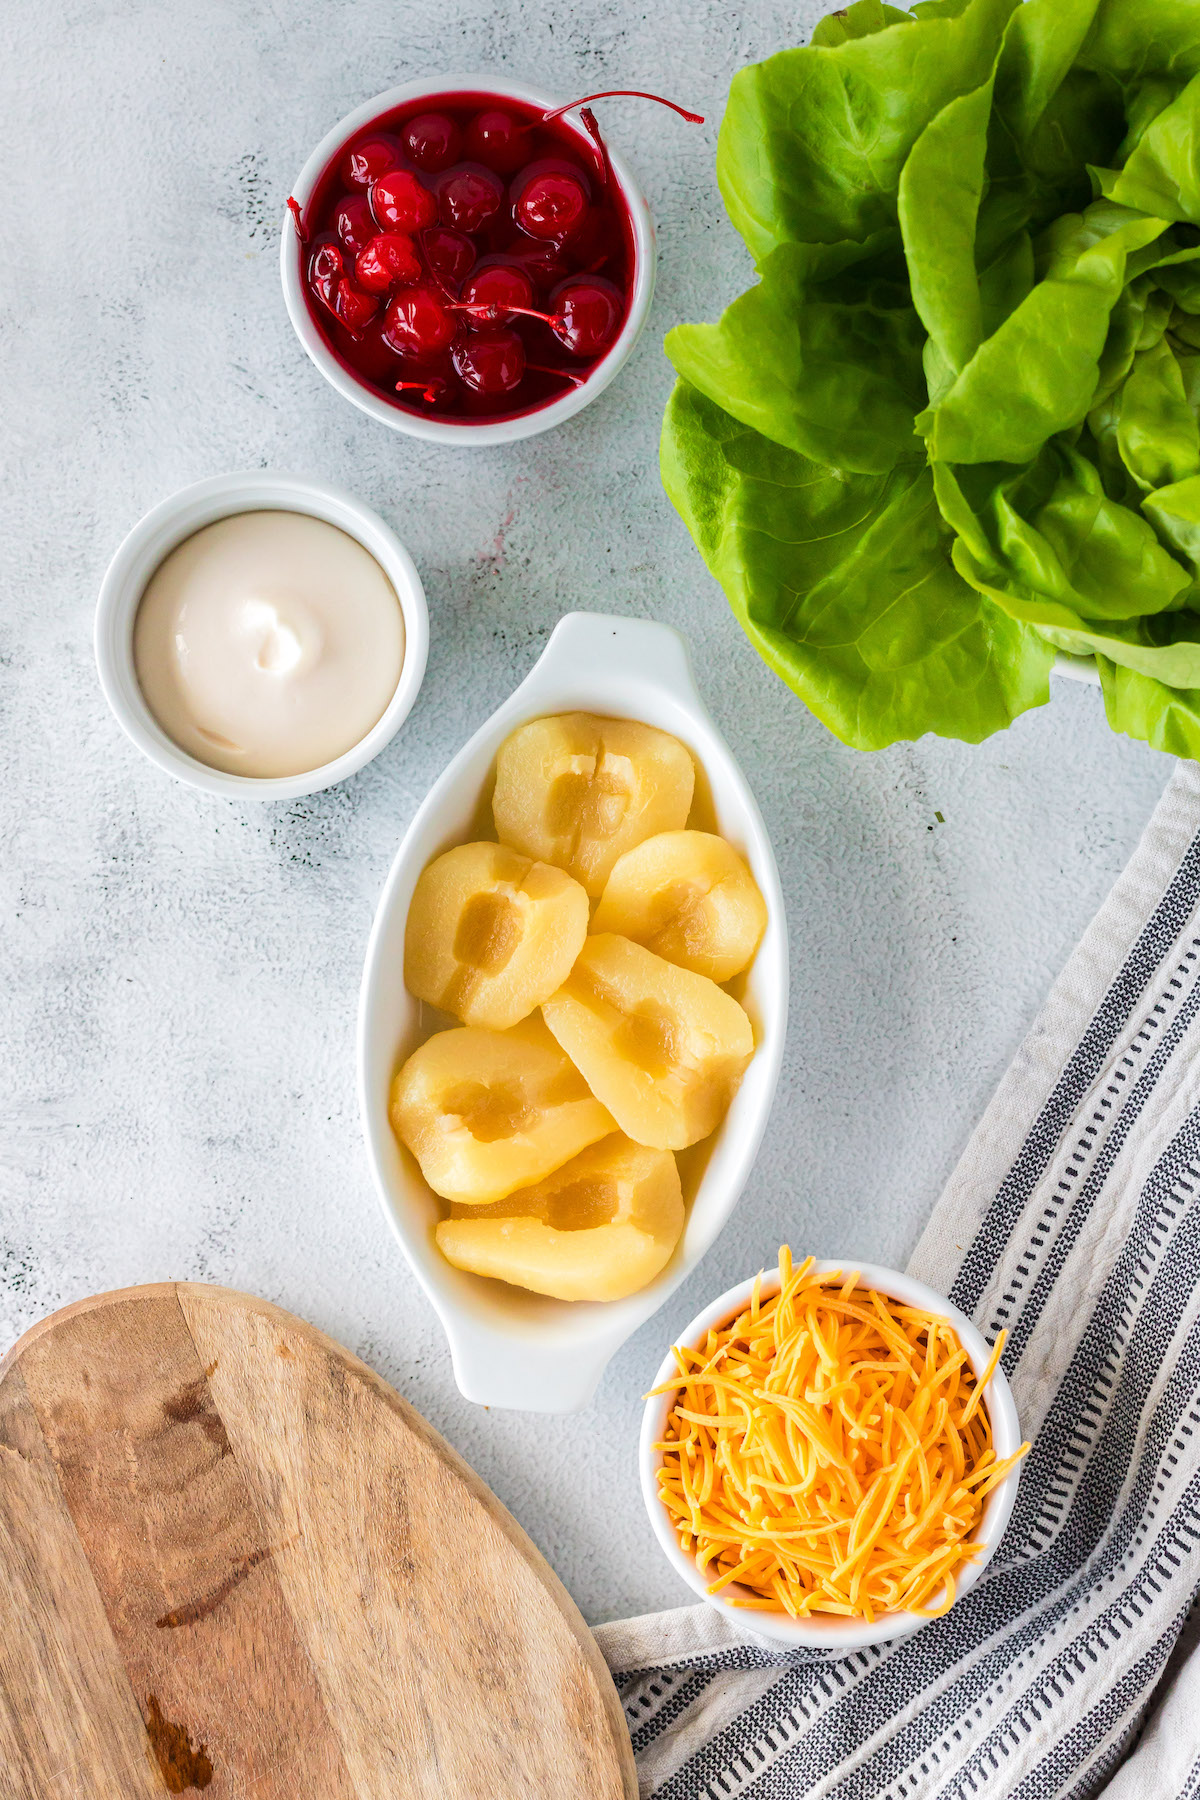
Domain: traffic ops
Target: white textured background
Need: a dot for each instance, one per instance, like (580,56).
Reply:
(178,976)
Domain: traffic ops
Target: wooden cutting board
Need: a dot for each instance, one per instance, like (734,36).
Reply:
(233,1559)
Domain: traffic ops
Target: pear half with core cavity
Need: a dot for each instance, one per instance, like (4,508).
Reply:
(491,934)
(599,1228)
(663,1049)
(485,1112)
(688,896)
(578,791)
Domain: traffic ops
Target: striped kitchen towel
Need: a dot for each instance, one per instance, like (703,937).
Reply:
(1073,1220)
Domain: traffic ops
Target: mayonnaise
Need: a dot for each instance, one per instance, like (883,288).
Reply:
(268,643)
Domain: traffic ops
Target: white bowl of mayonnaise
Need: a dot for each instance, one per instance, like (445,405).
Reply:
(261,636)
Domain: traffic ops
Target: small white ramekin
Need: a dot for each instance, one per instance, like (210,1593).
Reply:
(177,518)
(474,432)
(829,1631)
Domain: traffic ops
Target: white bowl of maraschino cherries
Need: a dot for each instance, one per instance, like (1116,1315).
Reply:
(468,261)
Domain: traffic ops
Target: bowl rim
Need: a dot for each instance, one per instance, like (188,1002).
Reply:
(504,1356)
(834,1634)
(444,431)
(179,516)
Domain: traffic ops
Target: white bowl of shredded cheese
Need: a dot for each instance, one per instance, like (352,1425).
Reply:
(831,1498)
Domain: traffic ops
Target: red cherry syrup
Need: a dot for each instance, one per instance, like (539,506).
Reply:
(465,258)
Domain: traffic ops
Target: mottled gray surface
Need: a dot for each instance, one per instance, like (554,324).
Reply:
(179,976)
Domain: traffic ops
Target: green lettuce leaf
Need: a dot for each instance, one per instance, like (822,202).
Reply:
(941,185)
(1164,649)
(862,19)
(1183,285)
(1157,434)
(813,140)
(1041,44)
(1175,513)
(1006,277)
(1051,548)
(844,585)
(1038,372)
(1162,174)
(1168,718)
(938,9)
(1052,119)
(830,374)
(1136,42)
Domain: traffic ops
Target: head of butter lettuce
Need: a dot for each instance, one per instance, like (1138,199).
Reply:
(952,429)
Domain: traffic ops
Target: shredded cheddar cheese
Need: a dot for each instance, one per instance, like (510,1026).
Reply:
(828,1451)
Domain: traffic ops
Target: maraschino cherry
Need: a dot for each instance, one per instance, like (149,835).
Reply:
(587,313)
(419,324)
(494,137)
(353,307)
(432,140)
(449,255)
(401,203)
(490,362)
(325,267)
(354,223)
(544,264)
(387,259)
(366,162)
(551,204)
(497,291)
(467,197)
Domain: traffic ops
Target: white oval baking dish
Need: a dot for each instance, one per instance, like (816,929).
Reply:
(509,1347)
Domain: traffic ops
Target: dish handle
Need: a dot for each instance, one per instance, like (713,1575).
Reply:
(526,1373)
(603,647)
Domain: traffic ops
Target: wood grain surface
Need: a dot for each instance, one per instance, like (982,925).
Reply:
(232,1559)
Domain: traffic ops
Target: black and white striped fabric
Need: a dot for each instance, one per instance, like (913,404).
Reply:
(1074,1220)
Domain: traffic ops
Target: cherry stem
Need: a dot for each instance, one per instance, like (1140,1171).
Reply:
(491,310)
(593,129)
(562,374)
(622,94)
(429,390)
(298,216)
